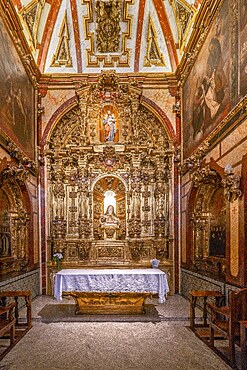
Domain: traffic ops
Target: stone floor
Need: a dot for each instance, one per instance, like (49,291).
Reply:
(164,345)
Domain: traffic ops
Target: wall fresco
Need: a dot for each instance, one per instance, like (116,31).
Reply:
(206,99)
(243,47)
(16,96)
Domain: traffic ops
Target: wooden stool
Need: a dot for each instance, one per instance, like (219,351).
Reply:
(27,294)
(194,294)
(243,344)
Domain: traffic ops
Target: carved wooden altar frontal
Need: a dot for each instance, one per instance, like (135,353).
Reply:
(122,303)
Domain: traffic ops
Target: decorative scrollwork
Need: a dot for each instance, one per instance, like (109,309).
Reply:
(195,160)
(231,183)
(16,173)
(207,176)
(108,26)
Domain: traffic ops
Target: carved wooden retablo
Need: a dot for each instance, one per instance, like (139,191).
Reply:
(109,178)
(106,303)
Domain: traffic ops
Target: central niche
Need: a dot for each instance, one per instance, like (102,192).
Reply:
(109,210)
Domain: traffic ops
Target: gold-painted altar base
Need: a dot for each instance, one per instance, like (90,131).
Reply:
(105,303)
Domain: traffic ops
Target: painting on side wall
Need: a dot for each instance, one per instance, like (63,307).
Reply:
(243,47)
(16,96)
(206,92)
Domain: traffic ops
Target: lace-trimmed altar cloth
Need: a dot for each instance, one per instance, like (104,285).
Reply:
(148,280)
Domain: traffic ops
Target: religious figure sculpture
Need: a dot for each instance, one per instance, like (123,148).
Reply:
(109,222)
(110,129)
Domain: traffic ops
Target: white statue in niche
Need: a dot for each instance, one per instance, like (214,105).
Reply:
(109,222)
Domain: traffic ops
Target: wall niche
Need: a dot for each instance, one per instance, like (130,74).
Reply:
(14,221)
(208,221)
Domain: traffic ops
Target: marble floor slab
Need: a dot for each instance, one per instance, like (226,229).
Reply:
(164,345)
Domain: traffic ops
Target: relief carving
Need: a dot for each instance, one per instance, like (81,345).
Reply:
(136,247)
(108,26)
(84,250)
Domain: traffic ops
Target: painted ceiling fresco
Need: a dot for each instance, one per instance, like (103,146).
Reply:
(86,36)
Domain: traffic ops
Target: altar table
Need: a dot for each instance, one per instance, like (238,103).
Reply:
(148,280)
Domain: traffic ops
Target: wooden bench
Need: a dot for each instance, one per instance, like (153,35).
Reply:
(7,325)
(16,294)
(225,320)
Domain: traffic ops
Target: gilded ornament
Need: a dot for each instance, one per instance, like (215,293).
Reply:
(231,184)
(108,26)
(81,169)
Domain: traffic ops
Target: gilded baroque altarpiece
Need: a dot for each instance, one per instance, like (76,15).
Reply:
(108,162)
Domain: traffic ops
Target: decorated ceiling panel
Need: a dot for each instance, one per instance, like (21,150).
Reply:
(154,52)
(86,36)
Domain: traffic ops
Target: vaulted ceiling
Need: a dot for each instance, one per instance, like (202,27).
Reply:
(86,36)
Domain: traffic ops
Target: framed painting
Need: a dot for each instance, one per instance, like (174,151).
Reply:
(16,96)
(243,47)
(206,92)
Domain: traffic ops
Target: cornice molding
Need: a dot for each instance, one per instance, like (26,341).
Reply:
(73,81)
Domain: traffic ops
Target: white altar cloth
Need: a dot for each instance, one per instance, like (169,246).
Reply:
(148,280)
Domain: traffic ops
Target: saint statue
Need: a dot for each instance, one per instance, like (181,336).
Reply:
(110,129)
(109,222)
